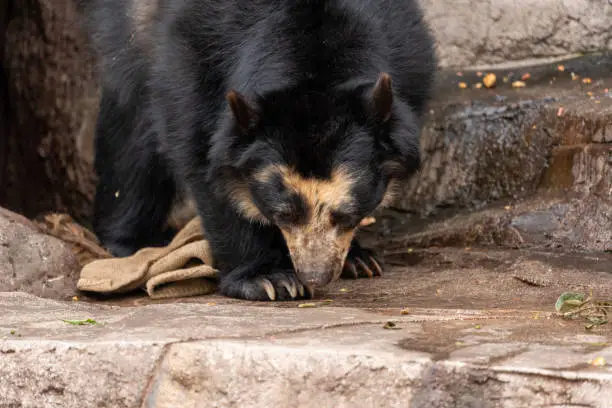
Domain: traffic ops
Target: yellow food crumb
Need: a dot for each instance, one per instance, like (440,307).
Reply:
(489,80)
(586,80)
(117,194)
(560,111)
(574,76)
(526,76)
(75,298)
(405,311)
(462,85)
(367,221)
(518,84)
(598,362)
(302,305)
(478,85)
(561,68)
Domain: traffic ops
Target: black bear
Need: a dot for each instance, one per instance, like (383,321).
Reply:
(287,122)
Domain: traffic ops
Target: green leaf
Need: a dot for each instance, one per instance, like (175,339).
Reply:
(80,322)
(569,301)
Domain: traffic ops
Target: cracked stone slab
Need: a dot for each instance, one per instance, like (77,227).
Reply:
(196,354)
(372,367)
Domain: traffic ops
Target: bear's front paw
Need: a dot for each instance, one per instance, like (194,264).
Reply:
(274,285)
(361,263)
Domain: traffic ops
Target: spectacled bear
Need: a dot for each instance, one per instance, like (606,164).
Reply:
(287,122)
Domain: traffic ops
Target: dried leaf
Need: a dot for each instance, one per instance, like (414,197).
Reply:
(391,326)
(569,301)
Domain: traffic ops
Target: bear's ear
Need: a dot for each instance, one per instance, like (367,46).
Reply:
(244,114)
(382,97)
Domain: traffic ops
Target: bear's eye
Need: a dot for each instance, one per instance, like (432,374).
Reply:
(292,209)
(285,217)
(343,220)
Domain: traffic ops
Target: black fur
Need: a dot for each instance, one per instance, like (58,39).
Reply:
(306,67)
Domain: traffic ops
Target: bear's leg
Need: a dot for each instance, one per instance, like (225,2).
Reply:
(135,188)
(251,257)
(361,263)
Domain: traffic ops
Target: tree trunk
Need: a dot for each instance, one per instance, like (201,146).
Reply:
(48,96)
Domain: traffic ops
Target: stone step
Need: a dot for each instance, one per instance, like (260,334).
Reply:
(514,167)
(222,355)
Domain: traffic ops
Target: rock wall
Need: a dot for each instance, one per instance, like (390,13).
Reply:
(52,102)
(483,32)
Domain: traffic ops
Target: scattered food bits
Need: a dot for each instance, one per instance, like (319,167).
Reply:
(390,326)
(561,68)
(462,85)
(459,343)
(505,79)
(75,298)
(534,127)
(560,111)
(587,80)
(507,208)
(590,93)
(460,74)
(211,304)
(116,194)
(598,362)
(478,85)
(327,300)
(526,76)
(574,76)
(367,221)
(12,332)
(597,101)
(489,80)
(344,290)
(606,90)
(477,326)
(518,84)
(479,74)
(438,292)
(303,305)
(405,311)
(410,250)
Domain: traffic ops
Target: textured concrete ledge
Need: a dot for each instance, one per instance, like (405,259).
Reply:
(487,32)
(197,355)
